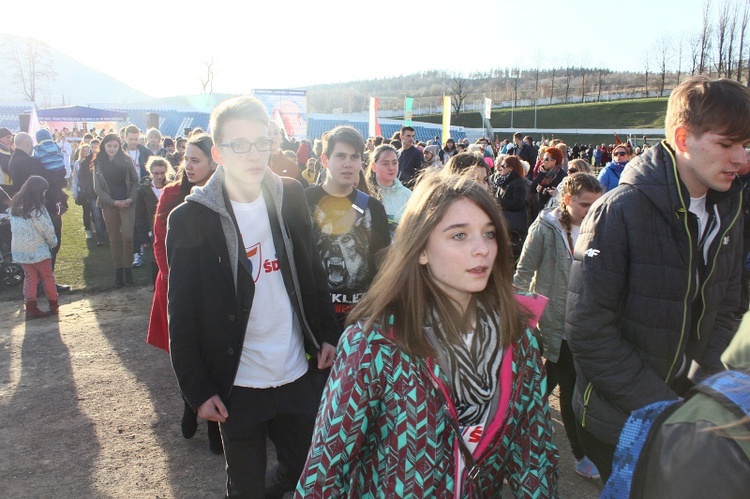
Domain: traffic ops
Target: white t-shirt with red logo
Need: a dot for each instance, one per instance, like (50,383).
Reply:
(273,353)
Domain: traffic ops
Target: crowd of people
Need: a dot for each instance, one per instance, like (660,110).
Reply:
(394,315)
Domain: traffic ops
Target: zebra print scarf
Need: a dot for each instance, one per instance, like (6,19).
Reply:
(473,369)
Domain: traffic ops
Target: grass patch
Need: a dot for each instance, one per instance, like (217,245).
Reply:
(82,264)
(637,113)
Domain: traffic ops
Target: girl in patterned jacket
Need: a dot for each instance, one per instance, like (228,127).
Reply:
(438,389)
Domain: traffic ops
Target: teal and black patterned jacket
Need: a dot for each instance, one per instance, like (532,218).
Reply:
(382,428)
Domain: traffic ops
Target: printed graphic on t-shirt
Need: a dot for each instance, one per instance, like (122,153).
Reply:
(344,243)
(343,239)
(257,263)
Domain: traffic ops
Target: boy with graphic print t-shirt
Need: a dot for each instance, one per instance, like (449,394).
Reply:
(350,228)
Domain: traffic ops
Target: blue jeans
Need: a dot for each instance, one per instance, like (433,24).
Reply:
(96,215)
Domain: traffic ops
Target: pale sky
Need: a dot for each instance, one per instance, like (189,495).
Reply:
(296,43)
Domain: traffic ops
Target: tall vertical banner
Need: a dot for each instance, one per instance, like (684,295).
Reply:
(487,122)
(288,108)
(408,112)
(446,117)
(34,125)
(374,124)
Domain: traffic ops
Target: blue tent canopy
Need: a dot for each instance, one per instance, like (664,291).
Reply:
(80,113)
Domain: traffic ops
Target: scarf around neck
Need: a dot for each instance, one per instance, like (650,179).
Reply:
(473,369)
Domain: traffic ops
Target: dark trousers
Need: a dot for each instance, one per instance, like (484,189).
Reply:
(600,453)
(285,414)
(57,224)
(563,372)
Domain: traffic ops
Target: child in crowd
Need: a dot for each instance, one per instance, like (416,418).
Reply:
(544,268)
(33,238)
(49,155)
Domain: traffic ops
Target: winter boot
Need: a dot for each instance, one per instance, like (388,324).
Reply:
(118,278)
(53,307)
(214,438)
(33,312)
(189,423)
(128,274)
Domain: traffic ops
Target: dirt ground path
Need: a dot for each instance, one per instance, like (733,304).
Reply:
(90,410)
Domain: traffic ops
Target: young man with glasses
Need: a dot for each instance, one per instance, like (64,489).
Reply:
(657,266)
(609,177)
(247,299)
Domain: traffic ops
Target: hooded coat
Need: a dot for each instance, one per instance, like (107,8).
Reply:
(211,287)
(641,303)
(544,268)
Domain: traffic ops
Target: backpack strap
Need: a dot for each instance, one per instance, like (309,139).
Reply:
(629,447)
(729,388)
(360,204)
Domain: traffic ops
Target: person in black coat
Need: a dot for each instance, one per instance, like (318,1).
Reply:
(544,186)
(656,276)
(247,299)
(511,194)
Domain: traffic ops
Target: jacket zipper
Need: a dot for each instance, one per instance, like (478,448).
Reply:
(683,211)
(713,266)
(586,396)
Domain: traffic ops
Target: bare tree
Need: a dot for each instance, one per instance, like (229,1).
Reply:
(695,47)
(568,75)
(705,38)
(552,85)
(31,63)
(517,71)
(459,92)
(207,84)
(742,32)
(600,74)
(733,21)
(646,64)
(537,66)
(663,52)
(722,39)
(680,49)
(583,71)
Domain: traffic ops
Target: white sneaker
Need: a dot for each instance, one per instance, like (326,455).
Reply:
(137,260)
(89,235)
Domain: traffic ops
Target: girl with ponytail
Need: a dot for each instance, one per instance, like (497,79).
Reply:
(544,268)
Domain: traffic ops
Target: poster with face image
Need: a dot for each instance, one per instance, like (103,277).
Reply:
(288,108)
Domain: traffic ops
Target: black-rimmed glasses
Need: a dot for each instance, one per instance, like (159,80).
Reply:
(263,144)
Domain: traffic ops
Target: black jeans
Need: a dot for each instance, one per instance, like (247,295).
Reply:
(286,414)
(563,372)
(600,453)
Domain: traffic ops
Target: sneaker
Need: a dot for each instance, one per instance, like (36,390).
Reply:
(586,468)
(137,260)
(89,235)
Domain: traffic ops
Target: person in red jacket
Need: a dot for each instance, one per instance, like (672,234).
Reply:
(196,170)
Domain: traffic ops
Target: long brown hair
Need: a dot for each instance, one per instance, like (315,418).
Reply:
(404,288)
(30,198)
(204,143)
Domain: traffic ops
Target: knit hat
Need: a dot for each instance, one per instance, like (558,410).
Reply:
(42,135)
(4,132)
